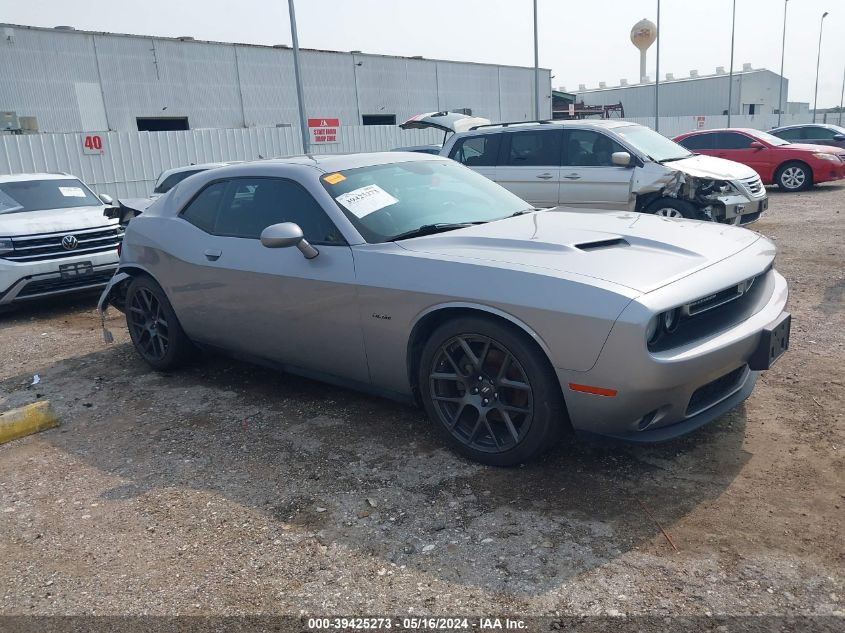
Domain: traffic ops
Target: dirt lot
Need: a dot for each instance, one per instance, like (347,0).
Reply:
(227,489)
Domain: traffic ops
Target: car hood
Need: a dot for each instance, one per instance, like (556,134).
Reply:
(701,166)
(444,121)
(52,221)
(641,252)
(806,147)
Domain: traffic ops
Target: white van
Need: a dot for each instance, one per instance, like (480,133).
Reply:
(601,165)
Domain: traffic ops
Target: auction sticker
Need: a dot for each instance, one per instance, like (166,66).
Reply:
(72,192)
(366,200)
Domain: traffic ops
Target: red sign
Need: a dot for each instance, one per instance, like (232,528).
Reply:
(323,130)
(92,144)
(699,122)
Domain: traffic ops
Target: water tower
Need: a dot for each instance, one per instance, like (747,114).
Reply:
(643,35)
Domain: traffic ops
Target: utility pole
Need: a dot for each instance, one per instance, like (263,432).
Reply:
(303,124)
(818,61)
(657,76)
(782,50)
(841,99)
(536,69)
(731,73)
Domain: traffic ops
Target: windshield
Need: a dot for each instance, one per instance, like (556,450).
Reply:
(387,201)
(771,139)
(656,146)
(36,195)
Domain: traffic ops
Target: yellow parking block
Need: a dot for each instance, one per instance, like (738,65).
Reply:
(27,420)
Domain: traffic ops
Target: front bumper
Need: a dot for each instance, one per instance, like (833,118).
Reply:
(828,171)
(661,395)
(22,281)
(742,210)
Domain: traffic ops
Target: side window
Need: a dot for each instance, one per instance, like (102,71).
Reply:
(250,205)
(586,148)
(527,149)
(821,133)
(174,179)
(792,134)
(732,140)
(202,210)
(698,141)
(477,151)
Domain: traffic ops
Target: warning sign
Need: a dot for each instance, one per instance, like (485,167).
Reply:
(323,131)
(699,122)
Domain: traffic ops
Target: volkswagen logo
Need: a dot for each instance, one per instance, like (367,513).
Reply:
(69,242)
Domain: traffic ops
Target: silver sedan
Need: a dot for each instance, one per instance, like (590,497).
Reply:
(413,277)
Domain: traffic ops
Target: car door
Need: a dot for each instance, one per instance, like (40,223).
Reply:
(703,143)
(479,153)
(273,303)
(589,178)
(736,146)
(529,165)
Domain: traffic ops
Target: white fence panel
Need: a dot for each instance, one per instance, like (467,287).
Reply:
(673,125)
(131,161)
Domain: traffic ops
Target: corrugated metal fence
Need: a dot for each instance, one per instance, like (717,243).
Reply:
(130,162)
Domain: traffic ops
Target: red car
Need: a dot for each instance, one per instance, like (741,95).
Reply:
(791,166)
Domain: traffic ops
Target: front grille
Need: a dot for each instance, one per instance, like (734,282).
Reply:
(715,391)
(44,286)
(720,298)
(47,246)
(754,186)
(748,218)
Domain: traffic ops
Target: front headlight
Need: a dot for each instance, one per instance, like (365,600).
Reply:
(5,246)
(826,156)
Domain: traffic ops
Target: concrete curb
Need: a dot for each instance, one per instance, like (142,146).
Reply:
(27,420)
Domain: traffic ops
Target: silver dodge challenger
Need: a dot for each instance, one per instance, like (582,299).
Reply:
(416,278)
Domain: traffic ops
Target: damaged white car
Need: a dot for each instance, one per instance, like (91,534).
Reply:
(601,165)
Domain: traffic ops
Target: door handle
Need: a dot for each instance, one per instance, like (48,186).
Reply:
(572,177)
(545,176)
(212,254)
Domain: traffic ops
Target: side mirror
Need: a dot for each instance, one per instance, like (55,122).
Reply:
(105,198)
(839,137)
(287,234)
(757,145)
(621,159)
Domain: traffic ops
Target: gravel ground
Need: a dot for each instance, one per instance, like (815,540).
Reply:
(229,489)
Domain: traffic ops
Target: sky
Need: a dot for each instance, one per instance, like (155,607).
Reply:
(581,41)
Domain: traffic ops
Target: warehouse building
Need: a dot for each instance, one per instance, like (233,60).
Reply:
(755,91)
(65,80)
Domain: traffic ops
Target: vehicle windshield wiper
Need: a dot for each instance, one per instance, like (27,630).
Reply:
(669,160)
(431,229)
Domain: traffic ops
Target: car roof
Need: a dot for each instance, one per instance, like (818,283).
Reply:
(339,162)
(604,124)
(36,176)
(746,130)
(800,125)
(197,167)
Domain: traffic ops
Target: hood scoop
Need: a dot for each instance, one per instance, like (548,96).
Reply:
(602,244)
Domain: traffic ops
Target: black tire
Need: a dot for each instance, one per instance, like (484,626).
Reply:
(498,424)
(794,176)
(153,327)
(674,208)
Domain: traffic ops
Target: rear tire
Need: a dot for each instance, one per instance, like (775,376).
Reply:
(674,208)
(153,327)
(490,392)
(794,176)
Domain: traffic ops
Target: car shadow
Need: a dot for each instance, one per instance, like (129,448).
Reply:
(48,307)
(370,475)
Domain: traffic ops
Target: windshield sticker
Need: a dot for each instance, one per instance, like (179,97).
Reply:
(72,192)
(366,200)
(333,179)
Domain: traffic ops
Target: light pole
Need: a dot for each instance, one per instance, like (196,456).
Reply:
(818,60)
(303,125)
(536,69)
(657,76)
(731,72)
(841,99)
(782,50)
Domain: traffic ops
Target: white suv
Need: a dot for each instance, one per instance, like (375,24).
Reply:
(602,165)
(54,237)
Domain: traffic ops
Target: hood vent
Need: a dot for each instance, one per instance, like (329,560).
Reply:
(594,246)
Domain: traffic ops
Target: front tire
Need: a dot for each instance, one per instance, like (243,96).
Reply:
(153,327)
(490,392)
(794,176)
(674,208)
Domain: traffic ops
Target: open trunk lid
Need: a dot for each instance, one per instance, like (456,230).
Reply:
(444,121)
